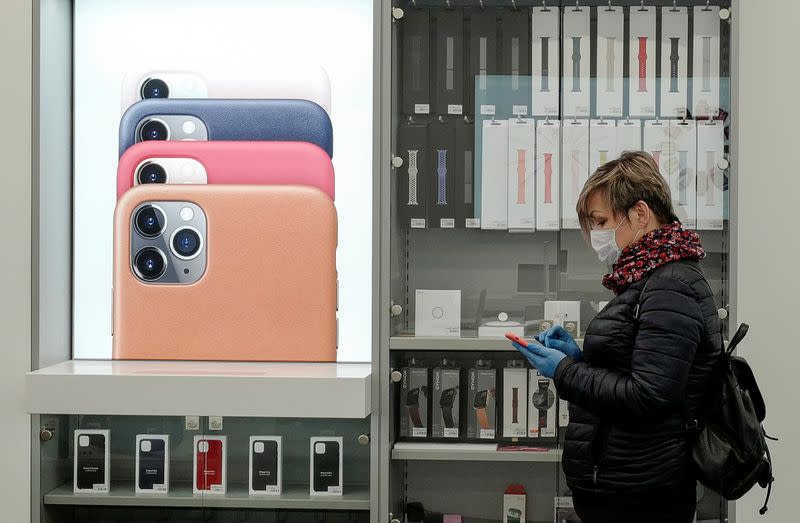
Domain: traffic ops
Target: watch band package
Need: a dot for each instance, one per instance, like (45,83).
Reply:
(464,175)
(414,400)
(515,62)
(575,168)
(542,421)
(494,174)
(326,474)
(710,181)
(656,141)
(575,41)
(642,60)
(265,465)
(602,143)
(674,63)
(92,460)
(152,464)
(412,147)
(416,49)
(446,402)
(706,61)
(682,170)
(449,36)
(521,198)
(609,54)
(545,36)
(514,504)
(441,158)
(481,420)
(629,136)
(548,168)
(515,392)
(483,28)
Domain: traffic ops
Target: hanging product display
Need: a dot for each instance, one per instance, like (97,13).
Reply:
(642,61)
(548,170)
(210,464)
(682,169)
(412,147)
(629,136)
(602,143)
(482,403)
(446,405)
(576,60)
(416,39)
(656,141)
(674,60)
(546,68)
(415,398)
(609,59)
(710,177)
(92,462)
(464,179)
(265,465)
(705,63)
(482,53)
(494,174)
(521,180)
(542,421)
(152,464)
(449,86)
(515,390)
(441,159)
(574,169)
(515,64)
(326,470)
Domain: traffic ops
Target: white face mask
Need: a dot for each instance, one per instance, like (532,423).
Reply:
(604,243)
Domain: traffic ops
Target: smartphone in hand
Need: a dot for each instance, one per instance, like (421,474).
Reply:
(522,341)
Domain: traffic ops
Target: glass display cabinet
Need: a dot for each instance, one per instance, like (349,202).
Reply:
(498,112)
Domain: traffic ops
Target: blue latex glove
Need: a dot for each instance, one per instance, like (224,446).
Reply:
(545,360)
(558,338)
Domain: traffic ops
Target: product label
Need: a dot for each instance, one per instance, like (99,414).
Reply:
(422,108)
(455,109)
(487,434)
(335,490)
(417,223)
(419,432)
(217,488)
(472,223)
(520,110)
(451,433)
(488,110)
(159,488)
(100,487)
(447,223)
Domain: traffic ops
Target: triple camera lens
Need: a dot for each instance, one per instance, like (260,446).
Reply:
(152,173)
(186,243)
(153,130)
(150,221)
(154,88)
(150,263)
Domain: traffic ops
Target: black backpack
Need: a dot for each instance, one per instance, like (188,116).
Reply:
(729,446)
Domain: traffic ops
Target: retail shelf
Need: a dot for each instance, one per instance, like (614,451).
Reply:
(452,344)
(293,497)
(164,388)
(410,451)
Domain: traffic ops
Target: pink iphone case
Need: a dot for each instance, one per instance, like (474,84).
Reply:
(256,163)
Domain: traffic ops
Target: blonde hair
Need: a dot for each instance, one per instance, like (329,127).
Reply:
(631,178)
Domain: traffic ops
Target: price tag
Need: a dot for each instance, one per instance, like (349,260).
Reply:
(455,109)
(418,223)
(488,110)
(447,223)
(520,110)
(422,108)
(472,223)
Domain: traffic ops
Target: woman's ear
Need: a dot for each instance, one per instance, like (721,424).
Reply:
(642,215)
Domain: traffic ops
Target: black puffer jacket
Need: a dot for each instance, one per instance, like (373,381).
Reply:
(641,376)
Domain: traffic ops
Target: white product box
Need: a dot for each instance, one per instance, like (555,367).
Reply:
(494,175)
(642,61)
(563,413)
(674,60)
(521,180)
(266,465)
(545,61)
(610,58)
(705,66)
(515,394)
(437,313)
(514,502)
(575,44)
(602,143)
(656,141)
(682,170)
(542,419)
(210,463)
(152,463)
(710,178)
(92,460)
(326,473)
(629,136)
(565,313)
(548,171)
(574,169)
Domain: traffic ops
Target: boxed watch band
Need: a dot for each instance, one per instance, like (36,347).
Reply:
(574,168)
(446,403)
(575,44)
(642,61)
(542,401)
(545,30)
(416,42)
(152,463)
(92,461)
(602,143)
(683,170)
(210,465)
(674,59)
(449,63)
(656,141)
(483,29)
(412,147)
(610,59)
(482,403)
(494,175)
(515,64)
(326,471)
(629,136)
(265,465)
(705,66)
(710,177)
(515,392)
(548,173)
(441,188)
(521,179)
(464,180)
(414,402)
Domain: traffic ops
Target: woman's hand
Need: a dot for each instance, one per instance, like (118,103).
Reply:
(545,360)
(558,338)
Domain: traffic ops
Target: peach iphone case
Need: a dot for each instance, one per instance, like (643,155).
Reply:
(275,163)
(268,292)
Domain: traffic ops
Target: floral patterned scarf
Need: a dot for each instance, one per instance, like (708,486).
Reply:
(666,244)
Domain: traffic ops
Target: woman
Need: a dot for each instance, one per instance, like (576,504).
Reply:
(647,356)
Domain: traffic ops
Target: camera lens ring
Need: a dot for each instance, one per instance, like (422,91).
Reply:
(195,252)
(143,227)
(151,125)
(154,88)
(158,272)
(156,170)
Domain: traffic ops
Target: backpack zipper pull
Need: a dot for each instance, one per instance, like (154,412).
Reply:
(636,312)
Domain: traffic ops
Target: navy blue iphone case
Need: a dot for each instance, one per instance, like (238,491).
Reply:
(238,120)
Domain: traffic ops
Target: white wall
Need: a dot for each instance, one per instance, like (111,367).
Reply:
(768,238)
(15,256)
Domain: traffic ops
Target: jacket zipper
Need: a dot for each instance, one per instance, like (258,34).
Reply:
(594,477)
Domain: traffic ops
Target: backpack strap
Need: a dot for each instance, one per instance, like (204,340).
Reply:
(741,332)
